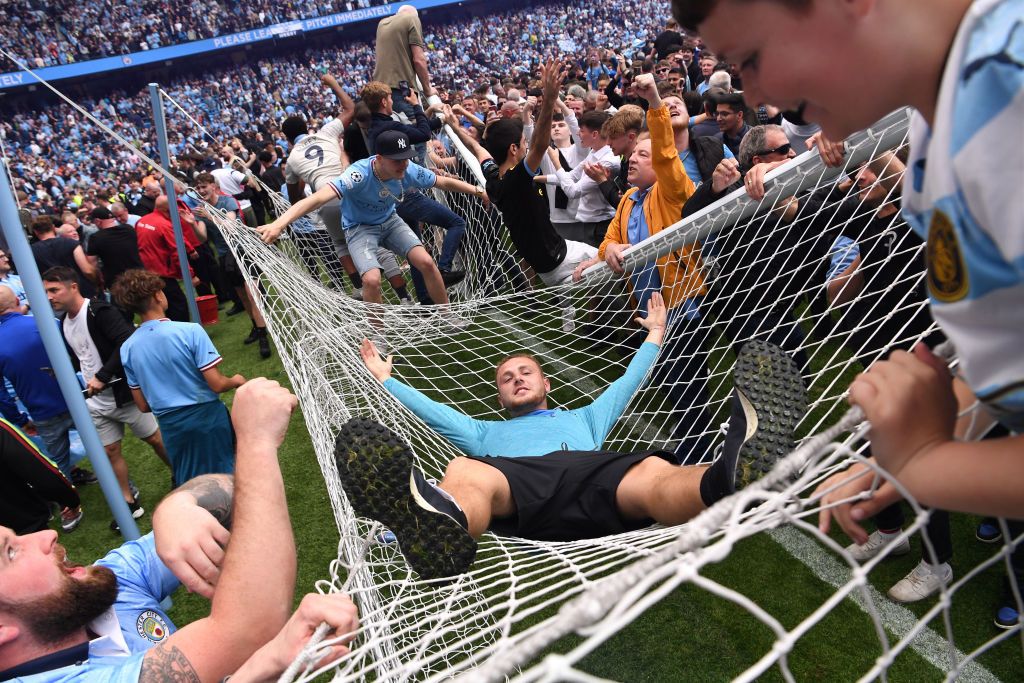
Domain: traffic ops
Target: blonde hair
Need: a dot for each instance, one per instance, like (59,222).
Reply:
(374,93)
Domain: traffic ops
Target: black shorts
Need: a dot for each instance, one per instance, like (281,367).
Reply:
(567,495)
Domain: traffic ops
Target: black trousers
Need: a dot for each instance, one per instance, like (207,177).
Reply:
(177,304)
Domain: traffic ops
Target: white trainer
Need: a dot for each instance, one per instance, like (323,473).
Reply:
(921,583)
(357,294)
(876,543)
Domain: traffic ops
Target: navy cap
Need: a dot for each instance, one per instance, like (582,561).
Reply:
(393,144)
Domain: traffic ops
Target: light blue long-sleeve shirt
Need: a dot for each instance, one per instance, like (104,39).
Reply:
(536,433)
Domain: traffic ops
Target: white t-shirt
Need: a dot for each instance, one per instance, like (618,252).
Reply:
(230,182)
(76,332)
(316,158)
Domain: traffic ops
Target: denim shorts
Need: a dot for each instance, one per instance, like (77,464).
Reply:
(393,234)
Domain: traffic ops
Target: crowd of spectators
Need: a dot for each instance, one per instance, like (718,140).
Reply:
(62,32)
(56,155)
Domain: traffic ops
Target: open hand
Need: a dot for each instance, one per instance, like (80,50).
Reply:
(379,367)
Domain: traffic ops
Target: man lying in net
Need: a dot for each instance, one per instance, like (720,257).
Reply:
(541,473)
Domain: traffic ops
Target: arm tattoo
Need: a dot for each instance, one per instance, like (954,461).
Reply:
(213,493)
(167,664)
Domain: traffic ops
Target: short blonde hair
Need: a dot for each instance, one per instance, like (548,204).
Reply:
(629,117)
(374,93)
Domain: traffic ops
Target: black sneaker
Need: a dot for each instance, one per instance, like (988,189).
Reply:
(768,401)
(264,343)
(236,309)
(80,477)
(377,474)
(452,277)
(136,510)
(254,334)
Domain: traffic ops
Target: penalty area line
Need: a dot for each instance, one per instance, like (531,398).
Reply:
(897,620)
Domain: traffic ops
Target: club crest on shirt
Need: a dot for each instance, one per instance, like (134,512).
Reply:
(384,193)
(151,626)
(947,271)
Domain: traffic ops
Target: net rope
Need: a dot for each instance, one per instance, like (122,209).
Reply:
(522,597)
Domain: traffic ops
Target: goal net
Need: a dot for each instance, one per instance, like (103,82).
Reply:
(823,266)
(833,276)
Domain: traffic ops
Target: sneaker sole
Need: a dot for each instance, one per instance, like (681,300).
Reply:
(770,386)
(989,539)
(374,466)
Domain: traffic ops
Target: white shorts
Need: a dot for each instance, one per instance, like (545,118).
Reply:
(575,254)
(110,421)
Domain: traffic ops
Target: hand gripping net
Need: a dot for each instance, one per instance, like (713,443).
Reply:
(509,616)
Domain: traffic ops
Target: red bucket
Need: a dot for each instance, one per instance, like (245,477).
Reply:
(207,305)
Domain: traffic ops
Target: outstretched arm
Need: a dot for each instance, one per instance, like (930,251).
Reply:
(452,120)
(608,407)
(270,233)
(455,185)
(460,429)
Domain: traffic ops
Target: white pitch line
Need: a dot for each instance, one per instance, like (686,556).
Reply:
(897,620)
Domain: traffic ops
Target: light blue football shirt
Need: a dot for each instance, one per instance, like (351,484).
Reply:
(368,201)
(166,359)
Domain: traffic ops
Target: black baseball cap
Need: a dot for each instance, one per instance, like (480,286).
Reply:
(393,144)
(100,213)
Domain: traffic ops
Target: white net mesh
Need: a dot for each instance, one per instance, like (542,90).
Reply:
(766,276)
(543,611)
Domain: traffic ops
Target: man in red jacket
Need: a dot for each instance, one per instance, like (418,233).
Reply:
(159,251)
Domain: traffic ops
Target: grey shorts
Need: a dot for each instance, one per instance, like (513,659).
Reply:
(364,242)
(110,421)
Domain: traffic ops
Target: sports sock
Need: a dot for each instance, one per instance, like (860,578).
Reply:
(356,281)
(402,292)
(716,483)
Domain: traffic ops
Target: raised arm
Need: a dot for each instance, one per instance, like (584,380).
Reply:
(460,429)
(552,76)
(270,233)
(664,158)
(254,593)
(348,107)
(608,407)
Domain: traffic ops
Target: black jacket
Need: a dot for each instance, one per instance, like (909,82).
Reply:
(709,153)
(418,133)
(109,330)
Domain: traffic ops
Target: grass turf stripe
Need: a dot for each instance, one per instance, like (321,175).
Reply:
(896,619)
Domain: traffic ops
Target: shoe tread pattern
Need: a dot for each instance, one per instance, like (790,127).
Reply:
(374,466)
(771,382)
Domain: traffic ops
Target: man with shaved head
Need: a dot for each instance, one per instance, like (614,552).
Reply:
(159,252)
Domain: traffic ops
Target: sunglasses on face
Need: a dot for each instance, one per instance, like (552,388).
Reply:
(781,149)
